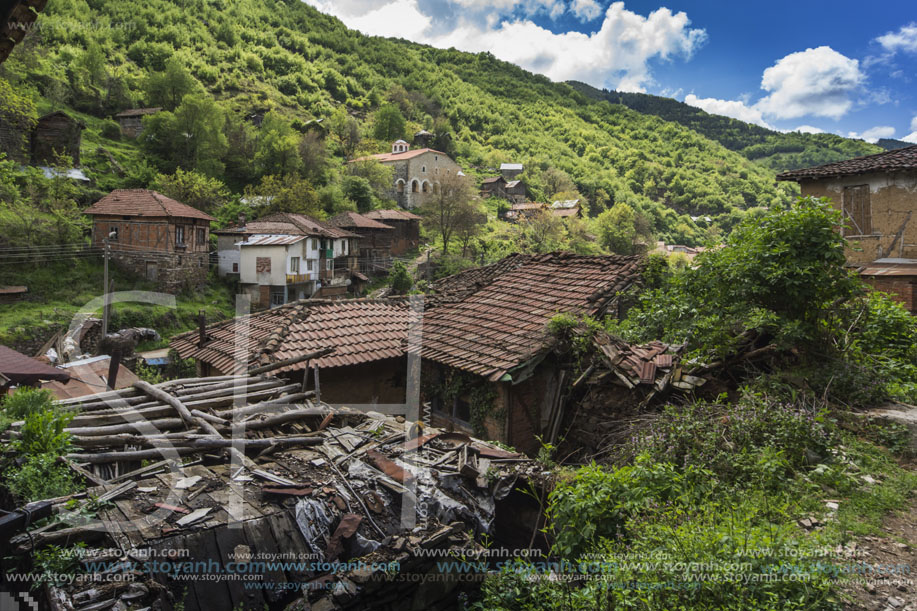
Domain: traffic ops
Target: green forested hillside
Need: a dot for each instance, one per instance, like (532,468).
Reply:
(213,64)
(775,150)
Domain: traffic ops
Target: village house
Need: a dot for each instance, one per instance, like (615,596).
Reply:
(56,133)
(368,337)
(17,369)
(375,252)
(416,173)
(406,225)
(522,210)
(567,208)
(154,236)
(513,191)
(878,197)
(284,257)
(510,171)
(131,120)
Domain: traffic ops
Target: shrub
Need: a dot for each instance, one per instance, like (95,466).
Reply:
(26,401)
(111,129)
(41,477)
(43,432)
(399,278)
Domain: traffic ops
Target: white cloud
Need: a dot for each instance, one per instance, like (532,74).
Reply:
(874,133)
(816,82)
(904,39)
(729,108)
(912,137)
(809,129)
(618,55)
(586,10)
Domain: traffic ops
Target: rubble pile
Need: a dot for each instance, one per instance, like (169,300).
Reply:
(344,506)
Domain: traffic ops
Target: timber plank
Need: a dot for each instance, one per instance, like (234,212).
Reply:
(227,541)
(261,541)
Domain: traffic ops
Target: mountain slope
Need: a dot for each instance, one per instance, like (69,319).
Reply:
(775,150)
(257,56)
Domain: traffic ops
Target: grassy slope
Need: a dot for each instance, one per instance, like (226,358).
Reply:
(285,55)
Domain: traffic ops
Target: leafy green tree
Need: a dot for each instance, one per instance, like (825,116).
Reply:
(617,229)
(346,131)
(192,137)
(169,87)
(277,151)
(193,188)
(388,123)
(399,278)
(447,209)
(358,190)
(290,193)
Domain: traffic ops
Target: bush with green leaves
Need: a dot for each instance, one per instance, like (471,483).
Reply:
(41,476)
(399,278)
(26,401)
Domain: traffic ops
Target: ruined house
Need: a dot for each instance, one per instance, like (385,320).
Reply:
(416,172)
(56,133)
(510,171)
(406,225)
(523,210)
(488,364)
(131,120)
(17,369)
(154,236)
(246,493)
(877,195)
(369,338)
(567,208)
(284,257)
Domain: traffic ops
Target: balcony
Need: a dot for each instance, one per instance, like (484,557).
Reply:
(299,278)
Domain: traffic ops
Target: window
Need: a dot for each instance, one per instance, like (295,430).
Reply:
(314,244)
(414,187)
(400,187)
(309,264)
(857,210)
(344,247)
(329,265)
(179,235)
(235,268)
(113,234)
(423,168)
(276,299)
(201,236)
(294,265)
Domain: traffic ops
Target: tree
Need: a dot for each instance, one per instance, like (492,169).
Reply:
(388,123)
(314,157)
(543,231)
(399,278)
(358,190)
(192,137)
(449,208)
(378,175)
(616,229)
(277,151)
(193,188)
(556,181)
(169,87)
(346,131)
(289,193)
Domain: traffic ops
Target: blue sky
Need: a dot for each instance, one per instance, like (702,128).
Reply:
(842,67)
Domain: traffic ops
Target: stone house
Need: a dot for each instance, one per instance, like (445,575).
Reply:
(154,236)
(416,172)
(284,257)
(56,133)
(877,195)
(406,225)
(488,361)
(375,240)
(131,120)
(566,208)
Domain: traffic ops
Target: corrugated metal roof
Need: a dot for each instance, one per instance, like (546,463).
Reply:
(271,240)
(21,369)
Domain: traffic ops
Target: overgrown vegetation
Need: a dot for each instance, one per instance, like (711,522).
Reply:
(737,502)
(34,470)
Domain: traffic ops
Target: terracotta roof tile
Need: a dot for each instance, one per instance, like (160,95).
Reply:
(391,215)
(890,161)
(349,220)
(144,202)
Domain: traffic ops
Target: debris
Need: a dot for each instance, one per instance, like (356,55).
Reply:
(194,516)
(187,482)
(171,507)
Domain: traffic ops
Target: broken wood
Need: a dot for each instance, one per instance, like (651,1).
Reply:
(193,446)
(291,361)
(161,395)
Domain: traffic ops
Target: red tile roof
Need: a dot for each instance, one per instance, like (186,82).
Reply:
(349,220)
(144,202)
(308,225)
(21,369)
(391,215)
(491,319)
(384,157)
(897,160)
(360,330)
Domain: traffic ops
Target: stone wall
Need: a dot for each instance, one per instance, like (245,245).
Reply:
(171,272)
(900,288)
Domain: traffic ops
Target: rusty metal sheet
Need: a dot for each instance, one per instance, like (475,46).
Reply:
(388,467)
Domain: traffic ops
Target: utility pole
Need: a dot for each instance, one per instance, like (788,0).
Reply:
(106,294)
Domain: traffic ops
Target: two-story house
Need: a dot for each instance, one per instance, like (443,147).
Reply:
(285,257)
(153,235)
(878,197)
(417,173)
